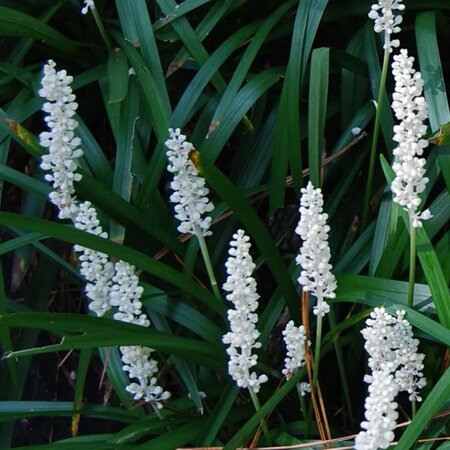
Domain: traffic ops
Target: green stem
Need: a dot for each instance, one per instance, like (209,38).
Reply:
(317,353)
(257,406)
(412,265)
(207,260)
(341,366)
(157,411)
(302,401)
(301,398)
(305,411)
(414,408)
(101,28)
(376,132)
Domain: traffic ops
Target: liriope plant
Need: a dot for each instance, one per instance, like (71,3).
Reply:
(178,300)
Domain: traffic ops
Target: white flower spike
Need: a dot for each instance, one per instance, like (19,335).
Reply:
(63,146)
(295,341)
(410,108)
(383,14)
(107,284)
(396,366)
(242,338)
(380,413)
(314,257)
(190,192)
(391,347)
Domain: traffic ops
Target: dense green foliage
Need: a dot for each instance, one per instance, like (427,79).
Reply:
(268,92)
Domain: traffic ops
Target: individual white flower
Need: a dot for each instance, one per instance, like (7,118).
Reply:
(383,13)
(314,257)
(63,146)
(410,108)
(380,413)
(190,192)
(243,335)
(295,341)
(88,4)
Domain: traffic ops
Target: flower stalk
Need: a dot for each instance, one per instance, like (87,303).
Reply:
(89,5)
(376,133)
(316,276)
(387,22)
(243,335)
(190,196)
(396,366)
(108,285)
(411,110)
(412,266)
(208,264)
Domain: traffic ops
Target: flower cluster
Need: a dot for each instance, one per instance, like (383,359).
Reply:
(295,340)
(95,266)
(381,413)
(108,285)
(383,13)
(88,4)
(391,347)
(63,146)
(410,108)
(125,295)
(190,191)
(140,365)
(303,388)
(314,257)
(396,366)
(243,335)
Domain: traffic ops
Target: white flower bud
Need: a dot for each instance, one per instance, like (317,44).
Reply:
(88,4)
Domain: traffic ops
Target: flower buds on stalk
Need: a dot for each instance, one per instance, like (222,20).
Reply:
(108,285)
(411,109)
(314,257)
(242,338)
(383,14)
(190,191)
(396,366)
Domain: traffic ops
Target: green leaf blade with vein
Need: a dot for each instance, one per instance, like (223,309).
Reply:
(17,23)
(434,83)
(318,96)
(287,133)
(101,332)
(74,236)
